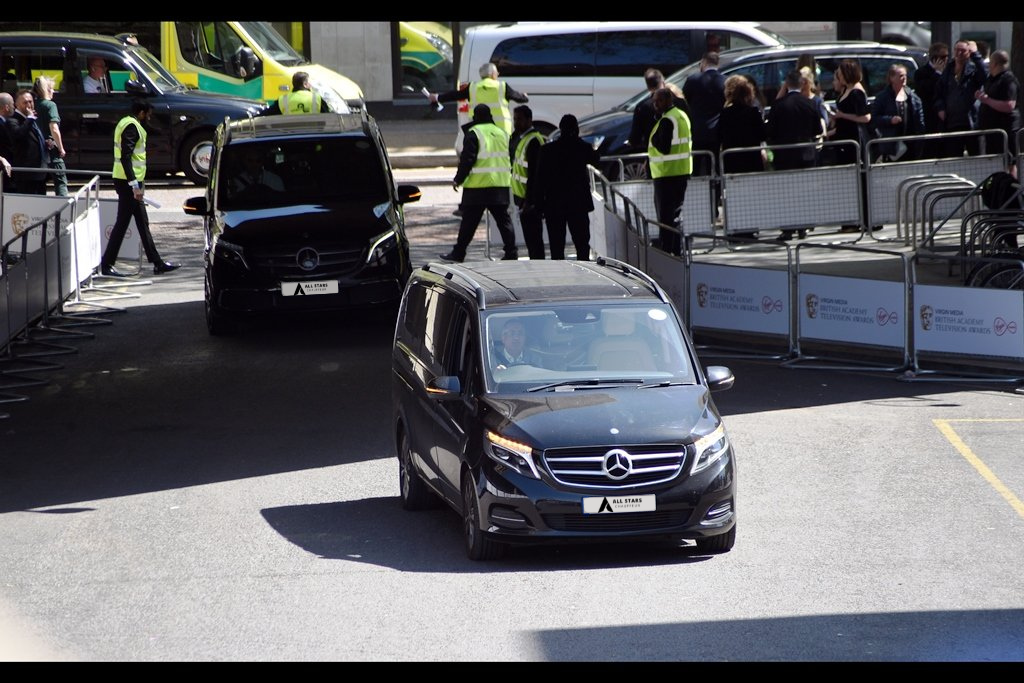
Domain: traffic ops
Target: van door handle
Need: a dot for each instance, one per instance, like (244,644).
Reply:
(90,116)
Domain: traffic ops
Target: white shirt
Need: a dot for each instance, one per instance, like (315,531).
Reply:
(92,85)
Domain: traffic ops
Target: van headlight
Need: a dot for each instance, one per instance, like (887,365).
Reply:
(335,102)
(511,453)
(381,245)
(709,448)
(231,253)
(441,45)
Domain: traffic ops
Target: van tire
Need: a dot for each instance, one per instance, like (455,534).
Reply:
(411,488)
(218,324)
(478,545)
(721,543)
(194,156)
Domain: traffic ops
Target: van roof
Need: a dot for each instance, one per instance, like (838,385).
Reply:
(495,283)
(307,124)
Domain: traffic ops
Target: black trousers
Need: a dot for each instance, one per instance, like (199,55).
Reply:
(578,224)
(669,193)
(471,215)
(533,229)
(954,147)
(127,207)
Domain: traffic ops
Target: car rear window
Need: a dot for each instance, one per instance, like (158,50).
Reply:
(300,171)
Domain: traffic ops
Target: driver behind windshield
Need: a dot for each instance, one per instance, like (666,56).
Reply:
(253,175)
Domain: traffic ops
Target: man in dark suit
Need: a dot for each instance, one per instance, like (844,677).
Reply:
(6,143)
(564,189)
(29,145)
(705,94)
(793,118)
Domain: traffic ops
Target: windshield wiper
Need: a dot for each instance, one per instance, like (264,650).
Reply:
(593,382)
(664,383)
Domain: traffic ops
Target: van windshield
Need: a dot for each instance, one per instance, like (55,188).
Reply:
(276,47)
(288,172)
(584,345)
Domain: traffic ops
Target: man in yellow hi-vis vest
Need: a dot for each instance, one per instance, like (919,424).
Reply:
(129,175)
(302,99)
(490,91)
(524,148)
(669,153)
(485,173)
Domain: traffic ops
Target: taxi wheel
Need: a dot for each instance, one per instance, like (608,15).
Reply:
(478,545)
(194,157)
(722,543)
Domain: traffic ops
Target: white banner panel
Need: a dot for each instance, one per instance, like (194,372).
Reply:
(24,210)
(88,250)
(669,272)
(852,310)
(971,320)
(131,247)
(739,298)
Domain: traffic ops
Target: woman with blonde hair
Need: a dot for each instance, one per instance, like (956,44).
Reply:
(741,124)
(49,124)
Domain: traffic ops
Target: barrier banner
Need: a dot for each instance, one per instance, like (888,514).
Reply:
(669,272)
(739,298)
(969,320)
(88,249)
(852,310)
(24,210)
(132,245)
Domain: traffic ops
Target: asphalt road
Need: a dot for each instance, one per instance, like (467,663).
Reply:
(169,496)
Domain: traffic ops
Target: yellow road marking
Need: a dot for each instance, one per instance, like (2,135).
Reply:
(976,462)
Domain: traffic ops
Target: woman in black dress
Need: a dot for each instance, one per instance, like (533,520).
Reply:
(850,121)
(741,124)
(851,117)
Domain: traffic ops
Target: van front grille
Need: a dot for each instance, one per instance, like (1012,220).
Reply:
(590,467)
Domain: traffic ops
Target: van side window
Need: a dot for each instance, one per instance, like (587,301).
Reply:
(569,54)
(209,44)
(630,53)
(413,318)
(438,334)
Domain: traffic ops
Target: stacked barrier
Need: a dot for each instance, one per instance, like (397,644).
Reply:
(50,247)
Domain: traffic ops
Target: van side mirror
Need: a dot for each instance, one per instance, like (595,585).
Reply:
(408,193)
(447,386)
(719,377)
(195,206)
(136,87)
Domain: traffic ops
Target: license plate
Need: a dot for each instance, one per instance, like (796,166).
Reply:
(309,288)
(609,505)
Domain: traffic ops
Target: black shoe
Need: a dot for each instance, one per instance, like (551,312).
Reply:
(876,228)
(510,256)
(457,212)
(801,234)
(450,257)
(786,236)
(165,267)
(850,228)
(110,271)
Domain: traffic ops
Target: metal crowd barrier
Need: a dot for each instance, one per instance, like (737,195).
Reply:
(882,177)
(49,247)
(847,315)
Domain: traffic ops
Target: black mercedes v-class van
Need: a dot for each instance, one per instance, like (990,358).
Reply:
(558,401)
(301,213)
